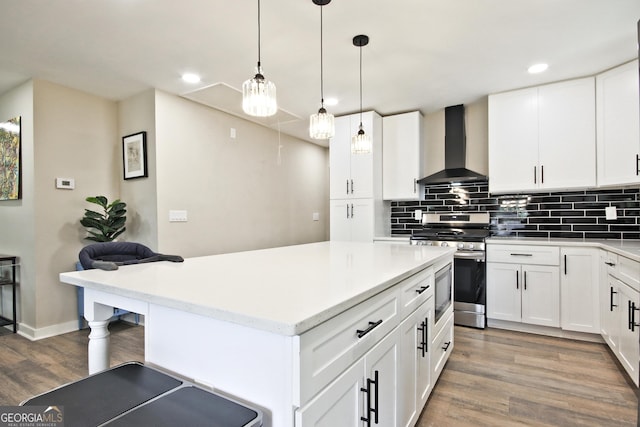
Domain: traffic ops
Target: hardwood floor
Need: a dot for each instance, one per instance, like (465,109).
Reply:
(503,378)
(493,378)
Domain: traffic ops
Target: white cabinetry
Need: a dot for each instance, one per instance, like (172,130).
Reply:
(579,289)
(620,310)
(543,138)
(351,219)
(618,120)
(401,156)
(523,284)
(374,362)
(355,182)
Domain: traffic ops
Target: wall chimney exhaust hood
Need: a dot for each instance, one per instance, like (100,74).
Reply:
(455,150)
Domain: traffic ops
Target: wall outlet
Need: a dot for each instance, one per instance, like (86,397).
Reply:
(417,214)
(177,216)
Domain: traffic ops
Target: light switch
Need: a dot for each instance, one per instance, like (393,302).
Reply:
(177,216)
(316,216)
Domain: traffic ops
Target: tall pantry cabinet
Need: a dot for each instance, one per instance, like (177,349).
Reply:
(356,210)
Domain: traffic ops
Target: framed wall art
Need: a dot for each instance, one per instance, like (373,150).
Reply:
(134,153)
(10,160)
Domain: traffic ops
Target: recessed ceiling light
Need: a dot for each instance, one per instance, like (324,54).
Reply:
(537,68)
(191,78)
(331,101)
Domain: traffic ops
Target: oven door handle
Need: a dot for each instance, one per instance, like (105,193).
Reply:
(477,255)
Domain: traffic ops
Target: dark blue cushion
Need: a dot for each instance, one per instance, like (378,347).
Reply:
(117,252)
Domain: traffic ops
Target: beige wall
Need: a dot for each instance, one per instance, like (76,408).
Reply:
(65,133)
(476,119)
(258,190)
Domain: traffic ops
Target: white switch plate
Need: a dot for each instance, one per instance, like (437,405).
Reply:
(177,216)
(66,183)
(232,133)
(316,216)
(417,215)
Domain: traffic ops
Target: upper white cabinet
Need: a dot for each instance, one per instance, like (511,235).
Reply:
(618,124)
(543,138)
(401,156)
(354,175)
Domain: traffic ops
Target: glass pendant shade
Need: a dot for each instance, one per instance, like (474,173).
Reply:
(259,96)
(321,125)
(360,142)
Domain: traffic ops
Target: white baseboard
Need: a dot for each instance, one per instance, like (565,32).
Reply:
(49,331)
(544,330)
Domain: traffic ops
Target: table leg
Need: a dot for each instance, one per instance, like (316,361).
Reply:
(98,316)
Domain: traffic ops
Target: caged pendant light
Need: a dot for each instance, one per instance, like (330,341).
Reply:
(360,142)
(259,94)
(321,125)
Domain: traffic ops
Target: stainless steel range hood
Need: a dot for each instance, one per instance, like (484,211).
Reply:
(455,149)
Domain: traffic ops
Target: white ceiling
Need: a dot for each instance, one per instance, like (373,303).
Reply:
(423,54)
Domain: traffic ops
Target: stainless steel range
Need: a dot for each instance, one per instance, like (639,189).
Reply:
(466,232)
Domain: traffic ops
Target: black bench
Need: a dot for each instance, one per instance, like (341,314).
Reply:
(136,395)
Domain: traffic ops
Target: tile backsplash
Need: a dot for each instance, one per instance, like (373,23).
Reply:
(567,214)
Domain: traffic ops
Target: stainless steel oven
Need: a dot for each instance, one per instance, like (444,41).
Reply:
(442,291)
(466,232)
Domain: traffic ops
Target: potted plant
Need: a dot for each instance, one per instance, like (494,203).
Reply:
(105,226)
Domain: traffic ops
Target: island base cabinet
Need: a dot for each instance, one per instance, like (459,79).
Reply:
(415,364)
(441,347)
(365,394)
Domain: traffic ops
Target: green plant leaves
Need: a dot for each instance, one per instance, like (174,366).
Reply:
(105,226)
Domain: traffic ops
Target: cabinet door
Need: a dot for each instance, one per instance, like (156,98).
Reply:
(401,156)
(513,141)
(541,295)
(340,404)
(567,134)
(361,179)
(340,159)
(610,309)
(414,381)
(382,363)
(340,220)
(618,134)
(629,350)
(579,289)
(361,220)
(503,291)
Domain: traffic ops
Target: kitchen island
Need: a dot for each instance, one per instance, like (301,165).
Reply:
(276,327)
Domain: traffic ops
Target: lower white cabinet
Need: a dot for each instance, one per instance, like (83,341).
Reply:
(366,392)
(442,346)
(415,384)
(523,293)
(351,220)
(620,310)
(579,289)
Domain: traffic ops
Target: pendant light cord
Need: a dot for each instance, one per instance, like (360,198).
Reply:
(360,87)
(321,64)
(258,36)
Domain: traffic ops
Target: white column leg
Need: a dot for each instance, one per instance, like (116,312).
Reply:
(99,346)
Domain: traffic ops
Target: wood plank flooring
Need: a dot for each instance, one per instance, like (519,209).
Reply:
(502,378)
(493,378)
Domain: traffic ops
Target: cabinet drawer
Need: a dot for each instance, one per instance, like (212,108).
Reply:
(524,254)
(626,270)
(328,349)
(415,290)
(441,348)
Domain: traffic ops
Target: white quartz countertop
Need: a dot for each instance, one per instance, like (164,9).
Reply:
(285,290)
(627,248)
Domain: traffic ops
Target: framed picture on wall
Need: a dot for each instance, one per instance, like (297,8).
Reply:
(134,155)
(10,160)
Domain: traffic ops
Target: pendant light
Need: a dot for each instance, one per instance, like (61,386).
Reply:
(360,142)
(321,125)
(259,94)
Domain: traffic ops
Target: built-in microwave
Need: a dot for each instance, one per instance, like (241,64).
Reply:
(443,290)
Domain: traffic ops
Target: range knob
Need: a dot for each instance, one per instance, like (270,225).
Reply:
(444,244)
(460,245)
(471,245)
